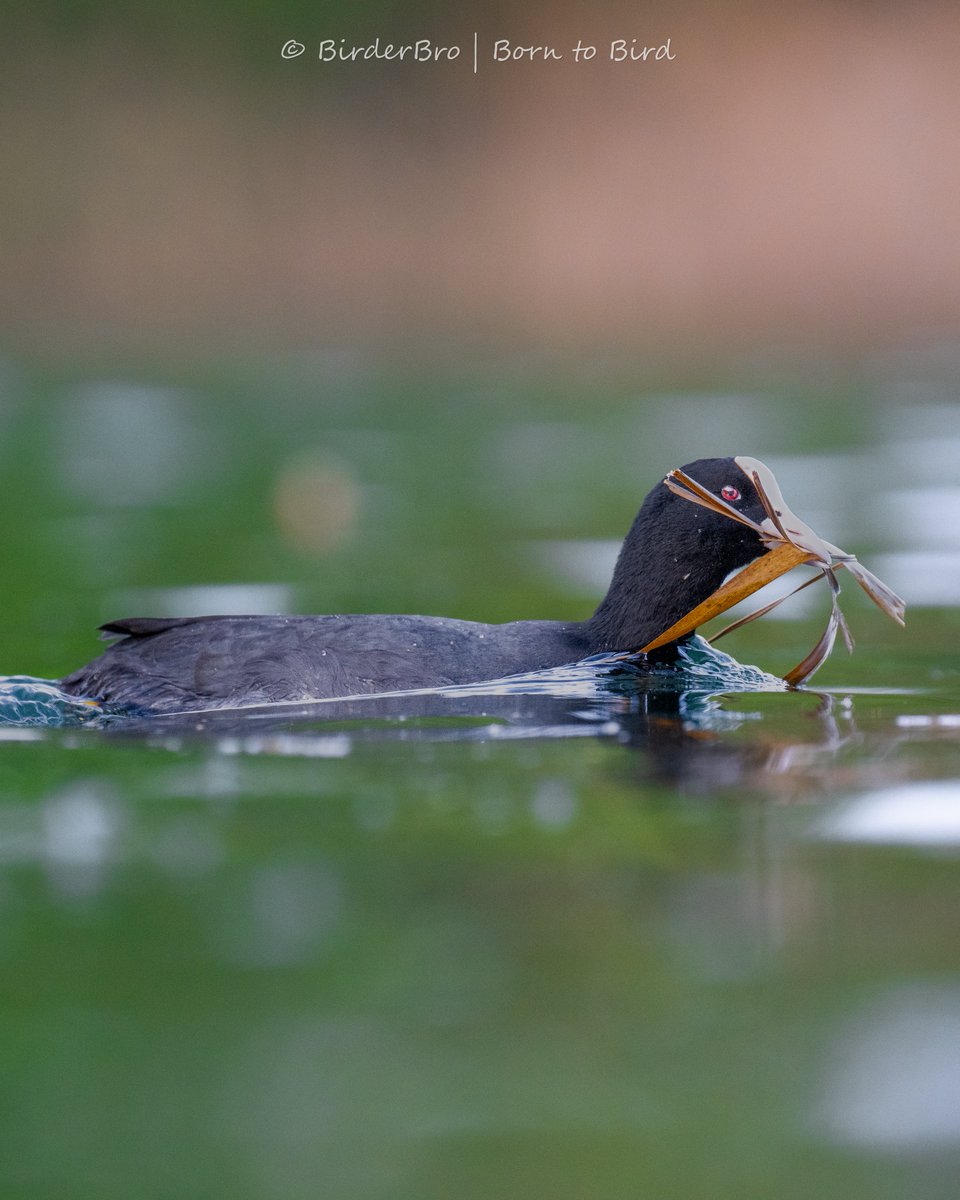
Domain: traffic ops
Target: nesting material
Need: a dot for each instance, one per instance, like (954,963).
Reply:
(790,542)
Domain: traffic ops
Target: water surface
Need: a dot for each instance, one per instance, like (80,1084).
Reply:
(581,934)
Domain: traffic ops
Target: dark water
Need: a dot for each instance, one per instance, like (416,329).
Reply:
(586,934)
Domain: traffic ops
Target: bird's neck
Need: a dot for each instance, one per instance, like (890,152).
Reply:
(656,581)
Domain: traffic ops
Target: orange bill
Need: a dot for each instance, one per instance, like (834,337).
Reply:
(755,575)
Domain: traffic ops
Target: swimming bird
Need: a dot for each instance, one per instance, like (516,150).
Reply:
(674,557)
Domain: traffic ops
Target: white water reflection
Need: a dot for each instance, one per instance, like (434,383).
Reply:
(131,444)
(304,745)
(222,599)
(930,458)
(926,516)
(893,1077)
(928,721)
(80,831)
(924,814)
(924,578)
(553,804)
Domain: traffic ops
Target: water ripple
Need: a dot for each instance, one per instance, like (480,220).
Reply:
(29,702)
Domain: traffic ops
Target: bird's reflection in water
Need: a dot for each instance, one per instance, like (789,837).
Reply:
(680,735)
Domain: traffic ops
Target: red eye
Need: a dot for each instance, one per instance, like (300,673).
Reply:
(729,493)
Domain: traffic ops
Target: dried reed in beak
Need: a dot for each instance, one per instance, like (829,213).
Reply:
(790,542)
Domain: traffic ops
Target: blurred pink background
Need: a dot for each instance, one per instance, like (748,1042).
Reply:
(791,177)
